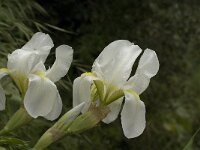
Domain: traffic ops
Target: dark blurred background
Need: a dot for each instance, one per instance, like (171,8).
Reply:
(170,27)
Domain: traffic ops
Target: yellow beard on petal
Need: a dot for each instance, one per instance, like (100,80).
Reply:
(41,74)
(4,70)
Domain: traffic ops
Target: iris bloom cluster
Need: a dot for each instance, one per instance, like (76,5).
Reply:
(36,83)
(100,95)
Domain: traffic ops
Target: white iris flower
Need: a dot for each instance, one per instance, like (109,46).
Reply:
(109,83)
(36,84)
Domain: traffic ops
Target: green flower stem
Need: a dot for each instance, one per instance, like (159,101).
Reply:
(20,118)
(80,124)
(47,138)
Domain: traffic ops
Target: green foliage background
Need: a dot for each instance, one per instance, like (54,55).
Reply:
(170,27)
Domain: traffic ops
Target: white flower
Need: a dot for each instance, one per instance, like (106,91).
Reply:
(109,83)
(36,84)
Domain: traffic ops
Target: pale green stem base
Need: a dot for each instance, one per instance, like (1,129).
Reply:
(82,123)
(48,138)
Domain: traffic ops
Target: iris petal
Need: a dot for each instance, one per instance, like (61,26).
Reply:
(133,116)
(40,43)
(115,108)
(115,62)
(40,97)
(64,56)
(81,91)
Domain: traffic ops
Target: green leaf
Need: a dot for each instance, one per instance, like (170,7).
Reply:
(12,141)
(190,143)
(59,29)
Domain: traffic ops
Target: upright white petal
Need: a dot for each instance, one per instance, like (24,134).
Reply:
(148,64)
(81,91)
(138,83)
(115,108)
(2,93)
(56,110)
(115,62)
(40,97)
(64,56)
(40,42)
(22,61)
(147,68)
(133,116)
(39,67)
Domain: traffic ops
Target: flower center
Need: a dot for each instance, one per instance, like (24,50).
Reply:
(103,92)
(21,81)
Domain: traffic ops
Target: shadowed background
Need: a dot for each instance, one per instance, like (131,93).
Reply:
(171,28)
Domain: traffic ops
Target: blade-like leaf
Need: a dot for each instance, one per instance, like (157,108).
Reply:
(190,143)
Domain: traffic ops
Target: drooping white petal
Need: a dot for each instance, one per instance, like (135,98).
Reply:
(64,56)
(148,64)
(56,110)
(2,93)
(138,83)
(40,42)
(81,91)
(133,116)
(40,97)
(115,108)
(22,61)
(115,62)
